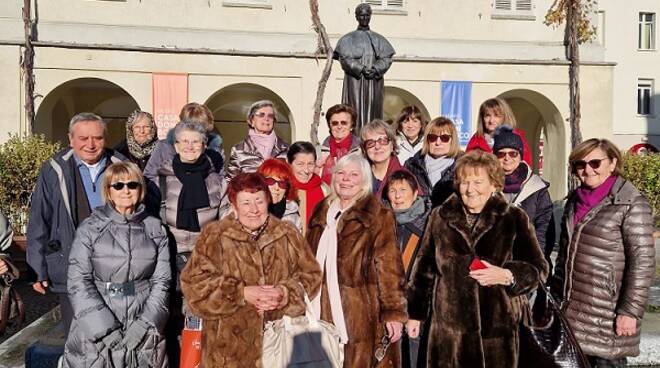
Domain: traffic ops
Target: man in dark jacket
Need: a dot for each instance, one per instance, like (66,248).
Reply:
(67,190)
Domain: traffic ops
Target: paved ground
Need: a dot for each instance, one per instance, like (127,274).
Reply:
(36,305)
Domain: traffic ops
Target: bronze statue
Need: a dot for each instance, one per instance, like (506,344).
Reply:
(365,56)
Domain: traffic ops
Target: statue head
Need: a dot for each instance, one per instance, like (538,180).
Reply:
(363,15)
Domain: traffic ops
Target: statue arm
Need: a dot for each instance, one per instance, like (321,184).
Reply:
(352,67)
(381,66)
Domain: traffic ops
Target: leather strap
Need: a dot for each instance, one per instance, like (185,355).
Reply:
(409,250)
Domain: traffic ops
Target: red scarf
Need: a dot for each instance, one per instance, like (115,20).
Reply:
(313,193)
(339,149)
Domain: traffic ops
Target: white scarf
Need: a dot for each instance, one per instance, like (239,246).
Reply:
(436,167)
(326,256)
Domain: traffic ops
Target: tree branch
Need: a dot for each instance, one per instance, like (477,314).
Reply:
(324,47)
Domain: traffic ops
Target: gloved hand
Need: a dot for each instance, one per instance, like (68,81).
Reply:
(134,334)
(110,340)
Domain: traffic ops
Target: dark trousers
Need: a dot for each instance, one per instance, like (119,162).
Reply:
(66,310)
(597,362)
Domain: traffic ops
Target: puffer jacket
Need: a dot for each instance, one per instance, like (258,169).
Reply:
(109,247)
(185,240)
(406,149)
(245,157)
(604,268)
(292,215)
(227,259)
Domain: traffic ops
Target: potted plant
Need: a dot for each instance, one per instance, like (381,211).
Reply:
(21,158)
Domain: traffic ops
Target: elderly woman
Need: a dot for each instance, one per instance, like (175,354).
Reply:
(118,280)
(261,142)
(493,113)
(283,203)
(354,239)
(342,140)
(410,132)
(247,269)
(141,138)
(401,193)
(378,147)
(477,261)
(522,187)
(434,165)
(606,256)
(309,187)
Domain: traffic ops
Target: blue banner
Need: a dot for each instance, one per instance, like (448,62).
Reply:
(456,97)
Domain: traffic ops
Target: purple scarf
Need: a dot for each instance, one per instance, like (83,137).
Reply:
(514,181)
(587,198)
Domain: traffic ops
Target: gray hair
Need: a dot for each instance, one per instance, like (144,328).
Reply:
(258,105)
(192,126)
(376,126)
(354,158)
(87,116)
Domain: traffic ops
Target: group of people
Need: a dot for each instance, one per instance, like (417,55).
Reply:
(381,229)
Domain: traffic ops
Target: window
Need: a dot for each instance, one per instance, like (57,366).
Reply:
(386,4)
(261,4)
(513,9)
(646,39)
(644,94)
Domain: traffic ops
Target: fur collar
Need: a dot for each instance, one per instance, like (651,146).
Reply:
(231,228)
(364,211)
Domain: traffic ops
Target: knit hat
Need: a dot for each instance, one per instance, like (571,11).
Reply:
(505,138)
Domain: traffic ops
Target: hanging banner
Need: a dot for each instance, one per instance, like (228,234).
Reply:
(170,93)
(456,104)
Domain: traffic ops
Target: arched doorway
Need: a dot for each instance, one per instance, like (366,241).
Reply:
(395,99)
(98,96)
(539,118)
(230,106)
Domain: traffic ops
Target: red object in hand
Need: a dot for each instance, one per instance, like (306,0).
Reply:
(477,264)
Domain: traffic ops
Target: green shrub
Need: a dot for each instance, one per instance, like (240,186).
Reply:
(21,158)
(644,173)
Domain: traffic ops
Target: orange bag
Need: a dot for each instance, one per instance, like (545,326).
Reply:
(191,344)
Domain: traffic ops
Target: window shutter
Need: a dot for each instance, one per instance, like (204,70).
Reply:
(503,4)
(524,5)
(374,2)
(395,3)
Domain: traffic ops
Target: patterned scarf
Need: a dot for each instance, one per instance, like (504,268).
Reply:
(136,149)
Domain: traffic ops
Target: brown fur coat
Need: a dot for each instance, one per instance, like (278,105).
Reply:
(371,277)
(473,326)
(224,261)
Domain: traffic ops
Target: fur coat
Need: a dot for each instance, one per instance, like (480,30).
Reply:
(224,261)
(474,326)
(371,277)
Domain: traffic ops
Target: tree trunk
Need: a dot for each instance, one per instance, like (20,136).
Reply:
(574,77)
(324,47)
(27,65)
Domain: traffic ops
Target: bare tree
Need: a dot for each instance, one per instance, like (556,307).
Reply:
(27,65)
(323,48)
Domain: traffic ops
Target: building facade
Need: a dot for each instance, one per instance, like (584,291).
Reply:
(102,56)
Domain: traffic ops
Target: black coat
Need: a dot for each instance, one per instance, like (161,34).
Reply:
(441,190)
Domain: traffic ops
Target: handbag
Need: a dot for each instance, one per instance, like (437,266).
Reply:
(301,342)
(552,345)
(11,303)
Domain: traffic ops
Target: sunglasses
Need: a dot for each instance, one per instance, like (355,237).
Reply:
(264,115)
(336,123)
(283,184)
(512,154)
(381,350)
(444,138)
(120,185)
(582,164)
(371,143)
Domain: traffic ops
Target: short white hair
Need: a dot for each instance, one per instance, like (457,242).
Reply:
(357,159)
(87,116)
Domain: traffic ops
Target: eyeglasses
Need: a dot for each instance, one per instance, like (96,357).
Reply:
(336,123)
(502,154)
(582,164)
(432,138)
(283,184)
(371,143)
(120,185)
(189,143)
(381,350)
(264,115)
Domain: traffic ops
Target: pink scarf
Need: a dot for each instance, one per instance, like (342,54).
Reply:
(587,198)
(264,142)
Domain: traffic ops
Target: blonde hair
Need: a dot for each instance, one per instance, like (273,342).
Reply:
(478,159)
(611,150)
(363,165)
(501,108)
(442,125)
(121,170)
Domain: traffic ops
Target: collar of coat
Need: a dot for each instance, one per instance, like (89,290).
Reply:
(275,230)
(365,211)
(623,192)
(454,213)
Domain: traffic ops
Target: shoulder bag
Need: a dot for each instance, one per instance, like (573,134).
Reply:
(11,303)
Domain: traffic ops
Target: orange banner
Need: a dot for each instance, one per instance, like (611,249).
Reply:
(170,93)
